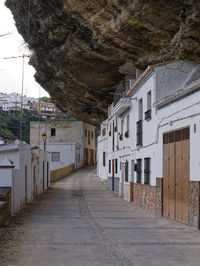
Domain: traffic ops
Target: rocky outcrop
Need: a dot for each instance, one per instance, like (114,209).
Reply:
(79,45)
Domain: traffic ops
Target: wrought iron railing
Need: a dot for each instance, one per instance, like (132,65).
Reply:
(139,133)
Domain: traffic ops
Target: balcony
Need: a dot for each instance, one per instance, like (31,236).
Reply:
(139,133)
(121,107)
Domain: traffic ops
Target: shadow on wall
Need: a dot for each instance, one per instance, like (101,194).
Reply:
(61,172)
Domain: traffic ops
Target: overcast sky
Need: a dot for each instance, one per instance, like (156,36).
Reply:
(11,70)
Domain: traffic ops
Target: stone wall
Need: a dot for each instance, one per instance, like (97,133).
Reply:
(5,205)
(144,196)
(159,196)
(61,172)
(194,204)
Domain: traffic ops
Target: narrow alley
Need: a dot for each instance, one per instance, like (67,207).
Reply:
(79,222)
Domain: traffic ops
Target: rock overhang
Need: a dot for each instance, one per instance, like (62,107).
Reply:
(79,47)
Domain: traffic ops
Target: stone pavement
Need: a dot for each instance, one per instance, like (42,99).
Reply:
(79,222)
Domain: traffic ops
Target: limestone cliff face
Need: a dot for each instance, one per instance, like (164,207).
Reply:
(79,45)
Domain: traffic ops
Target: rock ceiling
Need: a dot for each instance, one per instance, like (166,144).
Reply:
(79,45)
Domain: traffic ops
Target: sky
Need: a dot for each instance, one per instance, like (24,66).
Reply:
(11,69)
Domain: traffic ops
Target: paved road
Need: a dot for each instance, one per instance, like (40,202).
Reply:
(80,222)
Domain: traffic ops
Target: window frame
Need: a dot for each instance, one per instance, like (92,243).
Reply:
(104,158)
(139,171)
(147,170)
(53,154)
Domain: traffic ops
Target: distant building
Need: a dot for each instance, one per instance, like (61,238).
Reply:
(67,131)
(13,102)
(64,153)
(45,109)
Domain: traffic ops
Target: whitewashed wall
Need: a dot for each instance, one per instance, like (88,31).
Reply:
(102,171)
(68,153)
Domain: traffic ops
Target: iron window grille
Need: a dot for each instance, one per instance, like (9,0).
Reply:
(147,114)
(116,166)
(104,158)
(109,166)
(139,170)
(55,157)
(126,134)
(121,136)
(126,171)
(147,162)
(139,132)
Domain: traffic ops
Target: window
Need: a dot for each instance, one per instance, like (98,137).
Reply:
(53,132)
(113,136)
(126,171)
(122,126)
(88,137)
(140,110)
(116,124)
(103,131)
(110,130)
(127,127)
(149,100)
(116,166)
(139,170)
(104,158)
(147,162)
(55,157)
(85,133)
(109,166)
(92,135)
(148,112)
(127,123)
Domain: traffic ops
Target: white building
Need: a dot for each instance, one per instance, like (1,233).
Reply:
(102,155)
(13,102)
(63,154)
(17,172)
(152,151)
(40,169)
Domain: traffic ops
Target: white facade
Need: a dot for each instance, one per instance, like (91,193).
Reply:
(40,169)
(102,153)
(170,94)
(63,154)
(12,101)
(20,177)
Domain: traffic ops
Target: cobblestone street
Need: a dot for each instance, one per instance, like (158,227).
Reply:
(79,222)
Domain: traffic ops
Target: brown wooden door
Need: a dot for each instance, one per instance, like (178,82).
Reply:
(168,179)
(176,149)
(182,175)
(91,156)
(85,156)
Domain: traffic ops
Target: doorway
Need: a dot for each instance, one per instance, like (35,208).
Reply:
(176,169)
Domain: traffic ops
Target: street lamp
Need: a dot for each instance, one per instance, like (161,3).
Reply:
(44,138)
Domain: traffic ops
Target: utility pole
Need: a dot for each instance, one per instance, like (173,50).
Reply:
(22,95)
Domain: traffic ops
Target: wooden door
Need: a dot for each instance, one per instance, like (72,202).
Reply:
(176,150)
(182,174)
(85,156)
(168,176)
(91,156)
